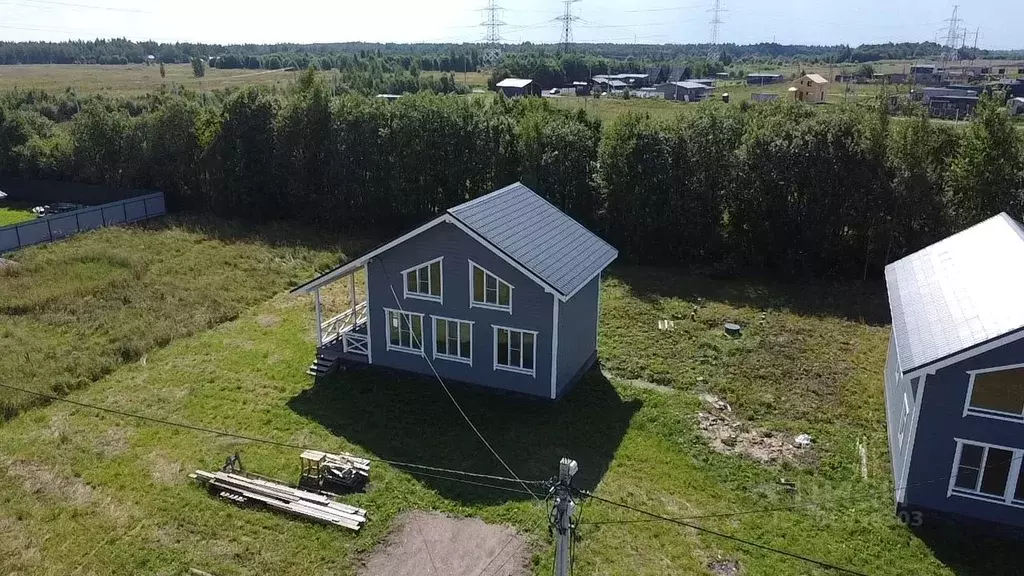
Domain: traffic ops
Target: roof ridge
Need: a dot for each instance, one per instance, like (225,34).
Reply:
(573,220)
(492,194)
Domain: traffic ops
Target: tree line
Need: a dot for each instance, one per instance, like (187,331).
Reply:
(779,188)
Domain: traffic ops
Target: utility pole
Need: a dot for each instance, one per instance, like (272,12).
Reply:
(562,515)
(567,18)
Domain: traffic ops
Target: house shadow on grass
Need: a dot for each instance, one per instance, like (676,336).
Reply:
(856,301)
(407,418)
(971,548)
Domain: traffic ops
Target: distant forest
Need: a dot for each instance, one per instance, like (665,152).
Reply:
(445,57)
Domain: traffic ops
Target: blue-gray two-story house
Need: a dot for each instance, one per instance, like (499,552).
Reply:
(954,378)
(502,291)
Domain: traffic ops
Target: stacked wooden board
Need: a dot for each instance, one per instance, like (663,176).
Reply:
(277,496)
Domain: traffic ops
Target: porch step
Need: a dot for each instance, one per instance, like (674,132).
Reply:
(322,366)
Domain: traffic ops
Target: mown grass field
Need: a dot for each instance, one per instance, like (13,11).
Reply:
(73,312)
(14,212)
(131,79)
(92,493)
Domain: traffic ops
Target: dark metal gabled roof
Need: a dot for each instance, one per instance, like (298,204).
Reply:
(538,236)
(958,293)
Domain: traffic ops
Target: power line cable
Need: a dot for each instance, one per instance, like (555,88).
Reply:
(76,5)
(750,543)
(445,386)
(267,441)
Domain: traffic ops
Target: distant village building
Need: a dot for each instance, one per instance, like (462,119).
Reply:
(581,88)
(709,82)
(685,90)
(513,87)
(762,78)
(811,88)
(762,97)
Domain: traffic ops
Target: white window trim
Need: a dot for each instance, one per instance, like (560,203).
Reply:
(981,412)
(418,295)
(1011,479)
(901,432)
(433,329)
(516,369)
(475,304)
(387,333)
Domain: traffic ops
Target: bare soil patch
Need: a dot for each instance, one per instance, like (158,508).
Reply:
(39,479)
(431,544)
(727,435)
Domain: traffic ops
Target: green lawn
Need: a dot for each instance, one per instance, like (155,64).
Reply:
(14,212)
(95,493)
(72,312)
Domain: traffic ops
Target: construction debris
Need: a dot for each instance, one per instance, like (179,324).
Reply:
(330,472)
(310,505)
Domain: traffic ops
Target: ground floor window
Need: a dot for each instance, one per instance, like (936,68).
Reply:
(515,350)
(453,339)
(405,331)
(988,472)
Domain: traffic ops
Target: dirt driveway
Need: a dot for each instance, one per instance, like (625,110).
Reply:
(431,544)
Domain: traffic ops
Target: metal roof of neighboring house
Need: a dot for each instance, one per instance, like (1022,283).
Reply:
(690,85)
(958,293)
(617,83)
(514,83)
(816,78)
(538,236)
(765,74)
(1017,99)
(521,227)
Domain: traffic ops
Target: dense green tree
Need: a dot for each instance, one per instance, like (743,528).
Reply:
(985,175)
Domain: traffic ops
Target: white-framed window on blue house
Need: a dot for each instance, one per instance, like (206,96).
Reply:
(405,331)
(904,418)
(515,350)
(453,339)
(486,290)
(987,472)
(996,393)
(424,281)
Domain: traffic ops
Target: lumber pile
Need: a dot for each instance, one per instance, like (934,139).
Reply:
(310,505)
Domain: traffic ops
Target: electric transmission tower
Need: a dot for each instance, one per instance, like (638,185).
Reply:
(716,21)
(492,33)
(952,35)
(567,18)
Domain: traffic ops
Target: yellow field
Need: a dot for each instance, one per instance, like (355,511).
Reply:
(131,78)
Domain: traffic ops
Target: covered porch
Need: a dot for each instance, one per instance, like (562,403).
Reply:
(342,319)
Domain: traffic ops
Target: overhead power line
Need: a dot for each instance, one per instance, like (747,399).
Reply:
(267,441)
(750,543)
(444,386)
(76,5)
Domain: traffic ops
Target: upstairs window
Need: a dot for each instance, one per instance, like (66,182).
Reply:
(424,281)
(453,339)
(488,291)
(997,393)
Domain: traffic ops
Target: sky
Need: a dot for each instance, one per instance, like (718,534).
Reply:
(645,21)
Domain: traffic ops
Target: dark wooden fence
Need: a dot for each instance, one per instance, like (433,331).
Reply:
(66,224)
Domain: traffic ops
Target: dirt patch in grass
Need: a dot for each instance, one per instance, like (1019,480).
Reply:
(724,567)
(429,543)
(39,479)
(268,320)
(114,441)
(728,435)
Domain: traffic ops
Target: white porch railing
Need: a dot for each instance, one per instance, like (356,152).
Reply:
(343,324)
(355,343)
